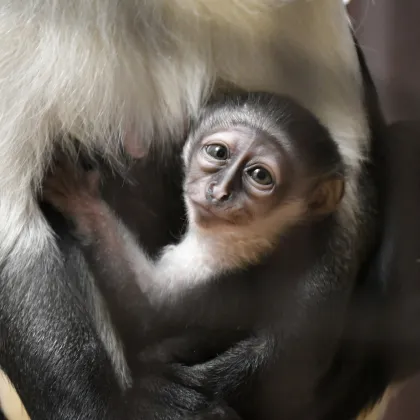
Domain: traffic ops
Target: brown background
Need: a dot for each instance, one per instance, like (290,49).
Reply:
(389,34)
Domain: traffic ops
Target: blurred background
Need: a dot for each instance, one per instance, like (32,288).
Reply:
(389,34)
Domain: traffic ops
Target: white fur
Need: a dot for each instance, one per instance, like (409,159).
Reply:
(97,69)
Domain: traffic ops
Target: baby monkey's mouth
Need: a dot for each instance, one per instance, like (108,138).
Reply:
(208,214)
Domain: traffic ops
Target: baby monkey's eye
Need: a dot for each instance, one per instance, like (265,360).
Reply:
(260,175)
(217,151)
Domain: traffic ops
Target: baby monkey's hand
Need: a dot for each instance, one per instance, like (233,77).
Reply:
(71,189)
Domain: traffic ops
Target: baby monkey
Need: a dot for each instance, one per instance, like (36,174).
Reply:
(255,166)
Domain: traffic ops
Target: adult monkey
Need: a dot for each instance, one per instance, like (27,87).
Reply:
(131,73)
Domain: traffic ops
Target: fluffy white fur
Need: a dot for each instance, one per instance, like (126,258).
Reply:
(97,69)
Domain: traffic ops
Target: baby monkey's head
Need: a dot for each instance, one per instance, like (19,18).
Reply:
(260,162)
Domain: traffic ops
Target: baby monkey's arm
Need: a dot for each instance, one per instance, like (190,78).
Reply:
(121,269)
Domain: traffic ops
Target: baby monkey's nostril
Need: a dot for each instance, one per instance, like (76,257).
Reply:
(217,193)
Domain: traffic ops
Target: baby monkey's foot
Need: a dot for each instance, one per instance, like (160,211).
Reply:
(71,189)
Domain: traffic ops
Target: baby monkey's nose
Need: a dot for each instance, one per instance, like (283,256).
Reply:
(217,192)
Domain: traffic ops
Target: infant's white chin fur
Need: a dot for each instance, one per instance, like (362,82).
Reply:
(199,219)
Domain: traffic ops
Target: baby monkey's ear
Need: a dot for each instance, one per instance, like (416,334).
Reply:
(326,197)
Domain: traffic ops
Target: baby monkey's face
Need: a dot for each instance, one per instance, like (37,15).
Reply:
(234,177)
